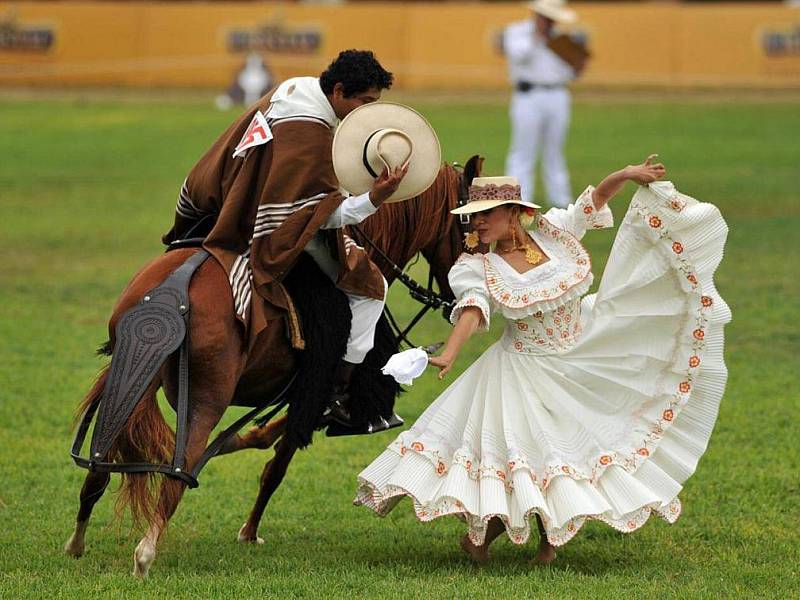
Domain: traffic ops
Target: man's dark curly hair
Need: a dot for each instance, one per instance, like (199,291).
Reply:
(358,71)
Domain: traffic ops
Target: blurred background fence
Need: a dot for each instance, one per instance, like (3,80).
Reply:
(429,46)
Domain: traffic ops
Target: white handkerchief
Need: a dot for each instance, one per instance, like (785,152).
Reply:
(407,365)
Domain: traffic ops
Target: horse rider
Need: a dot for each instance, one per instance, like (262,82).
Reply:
(269,184)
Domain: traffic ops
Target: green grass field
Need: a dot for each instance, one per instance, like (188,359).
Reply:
(88,185)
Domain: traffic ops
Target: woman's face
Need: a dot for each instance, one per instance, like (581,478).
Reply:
(494,224)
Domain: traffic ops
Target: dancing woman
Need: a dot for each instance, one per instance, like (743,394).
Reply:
(588,407)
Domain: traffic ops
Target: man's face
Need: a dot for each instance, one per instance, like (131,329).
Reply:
(343,105)
(543,24)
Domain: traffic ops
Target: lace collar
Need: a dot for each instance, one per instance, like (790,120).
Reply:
(566,276)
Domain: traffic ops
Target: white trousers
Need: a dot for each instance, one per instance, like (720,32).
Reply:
(366,311)
(540,120)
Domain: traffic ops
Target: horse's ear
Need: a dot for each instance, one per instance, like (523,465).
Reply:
(473,169)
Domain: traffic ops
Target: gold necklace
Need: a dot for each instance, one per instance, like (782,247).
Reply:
(532,256)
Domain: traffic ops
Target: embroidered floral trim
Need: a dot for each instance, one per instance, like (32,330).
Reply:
(382,502)
(593,218)
(554,287)
(561,535)
(695,331)
(495,192)
(472,299)
(553,331)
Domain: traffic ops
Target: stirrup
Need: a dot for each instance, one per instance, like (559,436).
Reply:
(336,429)
(337,413)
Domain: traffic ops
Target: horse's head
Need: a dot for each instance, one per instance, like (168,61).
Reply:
(424,224)
(443,251)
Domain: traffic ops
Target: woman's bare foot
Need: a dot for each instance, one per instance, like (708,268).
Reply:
(545,555)
(478,554)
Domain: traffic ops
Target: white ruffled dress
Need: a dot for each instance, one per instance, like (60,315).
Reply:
(587,408)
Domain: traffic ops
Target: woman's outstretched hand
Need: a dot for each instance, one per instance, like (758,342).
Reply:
(647,172)
(444,363)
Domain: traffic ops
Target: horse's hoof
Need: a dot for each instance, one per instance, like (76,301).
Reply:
(74,546)
(243,538)
(143,557)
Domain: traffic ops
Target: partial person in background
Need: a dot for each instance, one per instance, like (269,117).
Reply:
(251,82)
(541,65)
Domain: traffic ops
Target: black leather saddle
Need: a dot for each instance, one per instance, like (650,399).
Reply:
(196,235)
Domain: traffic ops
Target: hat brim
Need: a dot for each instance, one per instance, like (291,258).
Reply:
(355,128)
(481,205)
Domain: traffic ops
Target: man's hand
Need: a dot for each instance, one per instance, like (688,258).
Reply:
(387,184)
(647,172)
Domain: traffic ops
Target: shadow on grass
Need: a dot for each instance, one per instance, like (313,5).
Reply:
(396,554)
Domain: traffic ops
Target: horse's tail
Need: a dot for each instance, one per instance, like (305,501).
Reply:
(146,437)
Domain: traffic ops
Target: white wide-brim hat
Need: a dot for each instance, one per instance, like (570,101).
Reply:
(487,192)
(554,9)
(383,135)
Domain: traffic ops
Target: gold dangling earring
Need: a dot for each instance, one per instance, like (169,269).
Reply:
(513,237)
(471,240)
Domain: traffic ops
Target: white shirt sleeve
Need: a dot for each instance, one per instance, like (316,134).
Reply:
(467,279)
(351,211)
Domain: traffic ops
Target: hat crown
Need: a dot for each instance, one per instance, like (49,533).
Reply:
(495,188)
(387,148)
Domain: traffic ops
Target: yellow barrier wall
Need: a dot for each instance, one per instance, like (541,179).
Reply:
(441,46)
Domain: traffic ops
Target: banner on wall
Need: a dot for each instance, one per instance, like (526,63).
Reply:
(22,37)
(445,46)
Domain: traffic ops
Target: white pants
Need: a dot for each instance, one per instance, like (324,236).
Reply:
(366,311)
(540,119)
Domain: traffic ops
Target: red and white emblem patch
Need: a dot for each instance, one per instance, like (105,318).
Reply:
(258,132)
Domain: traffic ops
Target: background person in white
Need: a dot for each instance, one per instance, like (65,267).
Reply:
(540,104)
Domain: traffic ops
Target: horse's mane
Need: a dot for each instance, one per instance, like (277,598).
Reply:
(401,229)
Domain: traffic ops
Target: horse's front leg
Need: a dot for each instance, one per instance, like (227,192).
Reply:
(271,478)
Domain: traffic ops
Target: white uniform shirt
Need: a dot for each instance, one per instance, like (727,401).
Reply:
(529,58)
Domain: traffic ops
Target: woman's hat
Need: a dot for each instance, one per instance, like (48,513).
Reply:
(554,9)
(487,192)
(384,134)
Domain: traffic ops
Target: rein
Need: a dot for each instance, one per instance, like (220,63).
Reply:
(429,298)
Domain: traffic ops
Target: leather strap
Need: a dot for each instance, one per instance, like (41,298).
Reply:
(171,295)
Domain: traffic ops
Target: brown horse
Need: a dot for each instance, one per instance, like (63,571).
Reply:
(224,372)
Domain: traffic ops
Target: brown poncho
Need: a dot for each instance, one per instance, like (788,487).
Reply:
(270,200)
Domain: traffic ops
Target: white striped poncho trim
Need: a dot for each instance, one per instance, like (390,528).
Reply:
(241,280)
(271,216)
(268,218)
(273,121)
(349,244)
(185,207)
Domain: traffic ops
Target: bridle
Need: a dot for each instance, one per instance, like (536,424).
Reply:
(427,296)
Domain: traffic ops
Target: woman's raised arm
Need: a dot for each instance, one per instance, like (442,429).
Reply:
(645,173)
